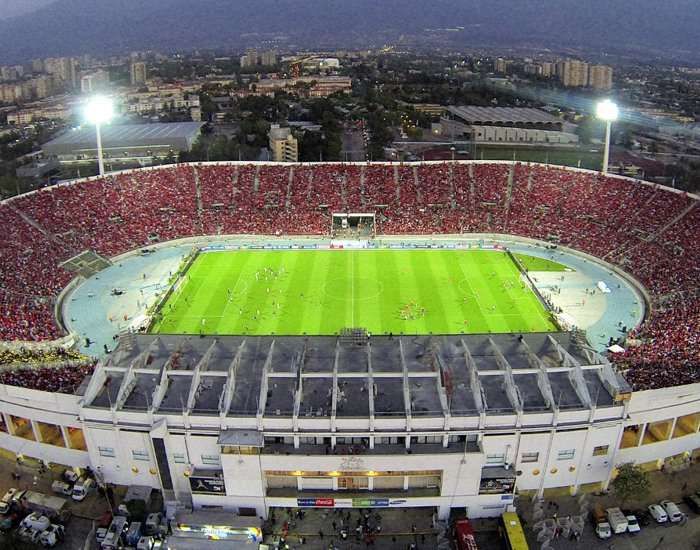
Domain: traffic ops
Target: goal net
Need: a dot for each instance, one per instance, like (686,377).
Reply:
(353,226)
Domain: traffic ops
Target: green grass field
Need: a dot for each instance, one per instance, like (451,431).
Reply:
(297,292)
(534,263)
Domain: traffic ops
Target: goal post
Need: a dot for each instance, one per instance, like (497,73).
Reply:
(360,225)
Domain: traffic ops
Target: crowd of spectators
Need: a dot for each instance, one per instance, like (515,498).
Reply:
(55,369)
(649,231)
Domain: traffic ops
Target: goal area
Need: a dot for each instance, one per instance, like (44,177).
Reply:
(360,225)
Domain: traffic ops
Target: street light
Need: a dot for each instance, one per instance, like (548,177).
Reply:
(98,111)
(608,112)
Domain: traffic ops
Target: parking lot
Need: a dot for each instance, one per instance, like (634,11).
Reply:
(679,536)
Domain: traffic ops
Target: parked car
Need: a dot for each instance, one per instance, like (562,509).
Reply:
(674,513)
(600,522)
(62,488)
(82,489)
(51,536)
(643,517)
(658,513)
(693,502)
(12,496)
(632,524)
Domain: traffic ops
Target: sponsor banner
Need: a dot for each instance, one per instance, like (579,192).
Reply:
(370,502)
(207,485)
(315,502)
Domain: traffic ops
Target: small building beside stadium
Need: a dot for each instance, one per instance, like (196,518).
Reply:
(124,143)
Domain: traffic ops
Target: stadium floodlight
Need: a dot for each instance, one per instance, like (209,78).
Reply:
(608,112)
(98,111)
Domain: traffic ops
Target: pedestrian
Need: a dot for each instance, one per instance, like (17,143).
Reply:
(320,534)
(685,486)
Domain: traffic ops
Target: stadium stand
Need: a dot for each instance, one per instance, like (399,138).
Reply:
(648,230)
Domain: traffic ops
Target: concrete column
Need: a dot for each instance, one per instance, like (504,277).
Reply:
(8,422)
(642,434)
(36,431)
(66,437)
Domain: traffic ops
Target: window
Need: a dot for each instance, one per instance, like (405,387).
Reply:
(600,451)
(529,457)
(106,452)
(179,458)
(566,454)
(140,455)
(211,460)
(495,459)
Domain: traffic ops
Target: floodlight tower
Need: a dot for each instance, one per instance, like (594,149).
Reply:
(98,111)
(608,112)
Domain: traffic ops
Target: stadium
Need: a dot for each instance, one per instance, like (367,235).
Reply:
(250,336)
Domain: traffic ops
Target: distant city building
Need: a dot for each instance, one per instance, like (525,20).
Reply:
(63,68)
(139,73)
(268,58)
(573,73)
(319,86)
(501,65)
(548,69)
(283,144)
(600,77)
(94,82)
(500,134)
(253,58)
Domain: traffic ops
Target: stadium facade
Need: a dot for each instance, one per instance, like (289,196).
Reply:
(446,422)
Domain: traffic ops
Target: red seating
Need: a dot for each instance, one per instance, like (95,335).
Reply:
(623,221)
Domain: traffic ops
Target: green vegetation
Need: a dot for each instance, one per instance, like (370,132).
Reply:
(591,160)
(321,292)
(533,263)
(632,482)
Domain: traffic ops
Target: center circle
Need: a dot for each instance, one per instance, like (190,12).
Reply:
(365,288)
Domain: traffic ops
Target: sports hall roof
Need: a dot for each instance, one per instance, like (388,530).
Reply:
(178,135)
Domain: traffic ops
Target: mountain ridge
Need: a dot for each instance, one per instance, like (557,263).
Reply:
(72,27)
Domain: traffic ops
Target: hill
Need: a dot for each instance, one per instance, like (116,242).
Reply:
(76,26)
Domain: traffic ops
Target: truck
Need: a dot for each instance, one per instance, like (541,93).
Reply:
(115,534)
(51,506)
(600,521)
(617,520)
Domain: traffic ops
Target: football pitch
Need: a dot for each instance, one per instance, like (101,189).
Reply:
(320,292)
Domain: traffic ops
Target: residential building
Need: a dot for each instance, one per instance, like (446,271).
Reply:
(139,73)
(283,144)
(94,82)
(573,73)
(600,77)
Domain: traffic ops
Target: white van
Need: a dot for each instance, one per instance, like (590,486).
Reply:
(82,489)
(674,513)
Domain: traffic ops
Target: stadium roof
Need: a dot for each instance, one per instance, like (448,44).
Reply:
(502,115)
(324,376)
(176,135)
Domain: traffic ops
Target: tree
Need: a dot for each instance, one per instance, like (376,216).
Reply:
(631,482)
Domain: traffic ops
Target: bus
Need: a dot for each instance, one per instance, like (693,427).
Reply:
(514,536)
(464,535)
